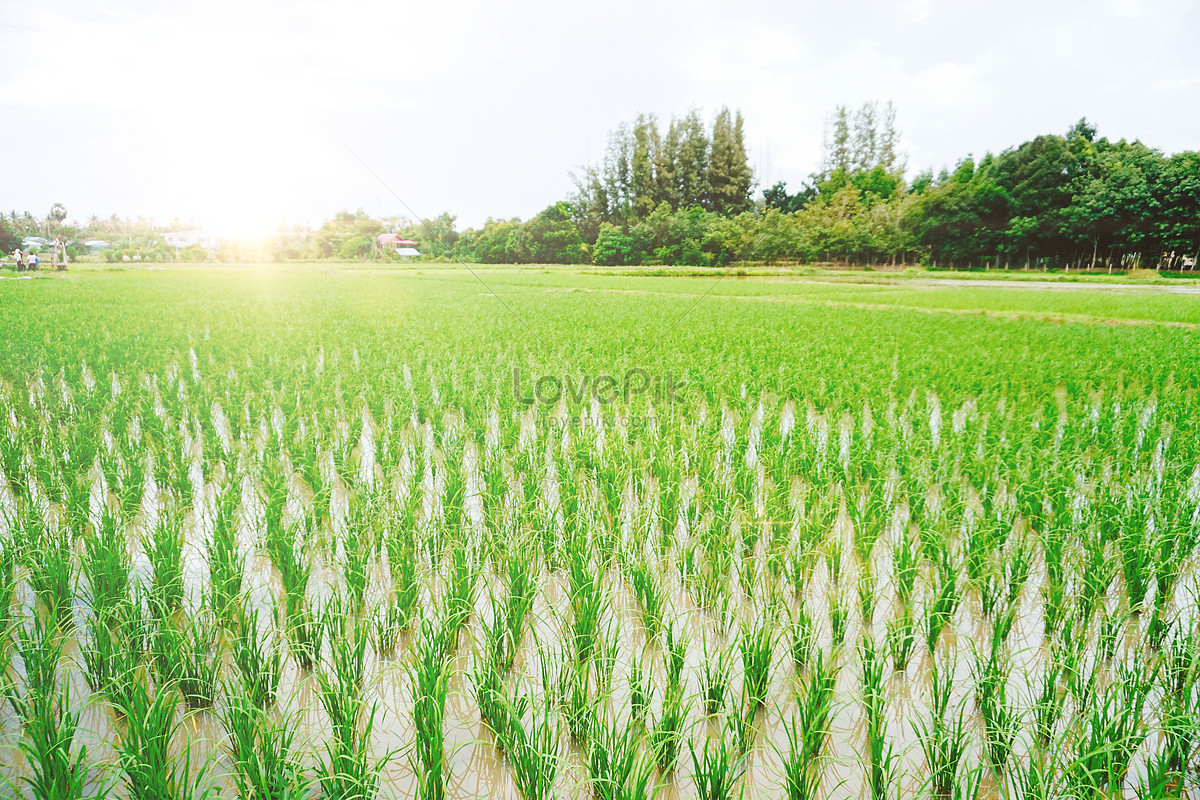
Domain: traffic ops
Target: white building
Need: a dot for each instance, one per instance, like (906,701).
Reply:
(181,239)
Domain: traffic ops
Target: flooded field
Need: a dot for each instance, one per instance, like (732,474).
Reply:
(239,558)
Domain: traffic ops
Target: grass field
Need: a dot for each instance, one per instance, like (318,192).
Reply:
(353,532)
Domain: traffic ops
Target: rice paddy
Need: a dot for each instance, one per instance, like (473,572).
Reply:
(291,534)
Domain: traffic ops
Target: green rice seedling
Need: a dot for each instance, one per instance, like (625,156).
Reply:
(1112,732)
(716,680)
(716,771)
(1180,725)
(1002,626)
(646,589)
(866,599)
(145,752)
(1000,721)
(430,679)
(808,732)
(402,560)
(356,568)
(639,693)
(112,652)
(495,709)
(521,591)
(616,768)
(106,564)
(1037,780)
(1017,568)
(348,770)
(839,617)
(944,745)
(945,601)
(51,575)
(535,753)
(390,620)
(575,700)
(460,598)
(262,750)
(667,731)
(587,601)
(605,661)
(192,660)
(802,637)
(258,658)
(40,650)
(226,566)
(801,774)
(901,637)
(164,549)
(880,753)
(1047,706)
(1111,626)
(306,634)
(1137,562)
(49,727)
(815,701)
(905,569)
(756,646)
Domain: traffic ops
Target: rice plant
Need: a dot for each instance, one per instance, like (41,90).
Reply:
(881,756)
(809,730)
(49,727)
(534,753)
(756,646)
(147,757)
(716,680)
(348,770)
(1000,720)
(52,576)
(263,751)
(716,770)
(257,656)
(617,770)
(430,678)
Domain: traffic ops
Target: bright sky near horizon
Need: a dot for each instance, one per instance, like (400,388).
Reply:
(240,113)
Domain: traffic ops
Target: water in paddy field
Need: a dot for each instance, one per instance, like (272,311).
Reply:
(747,552)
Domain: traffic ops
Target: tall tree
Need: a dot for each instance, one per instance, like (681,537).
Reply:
(889,141)
(865,146)
(645,133)
(692,162)
(729,175)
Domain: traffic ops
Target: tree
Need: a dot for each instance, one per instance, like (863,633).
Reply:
(642,184)
(55,217)
(729,174)
(838,154)
(691,173)
(550,238)
(865,146)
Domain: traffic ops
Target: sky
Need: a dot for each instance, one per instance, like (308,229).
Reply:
(240,114)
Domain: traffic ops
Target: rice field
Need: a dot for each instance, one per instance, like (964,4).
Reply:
(358,534)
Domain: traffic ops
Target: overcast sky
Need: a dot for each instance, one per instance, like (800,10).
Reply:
(240,113)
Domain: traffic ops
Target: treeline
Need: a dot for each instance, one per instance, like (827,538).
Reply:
(1067,201)
(683,194)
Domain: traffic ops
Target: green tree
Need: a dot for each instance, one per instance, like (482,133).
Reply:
(691,165)
(729,173)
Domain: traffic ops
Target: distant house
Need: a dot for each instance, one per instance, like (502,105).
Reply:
(33,243)
(405,248)
(182,239)
(96,245)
